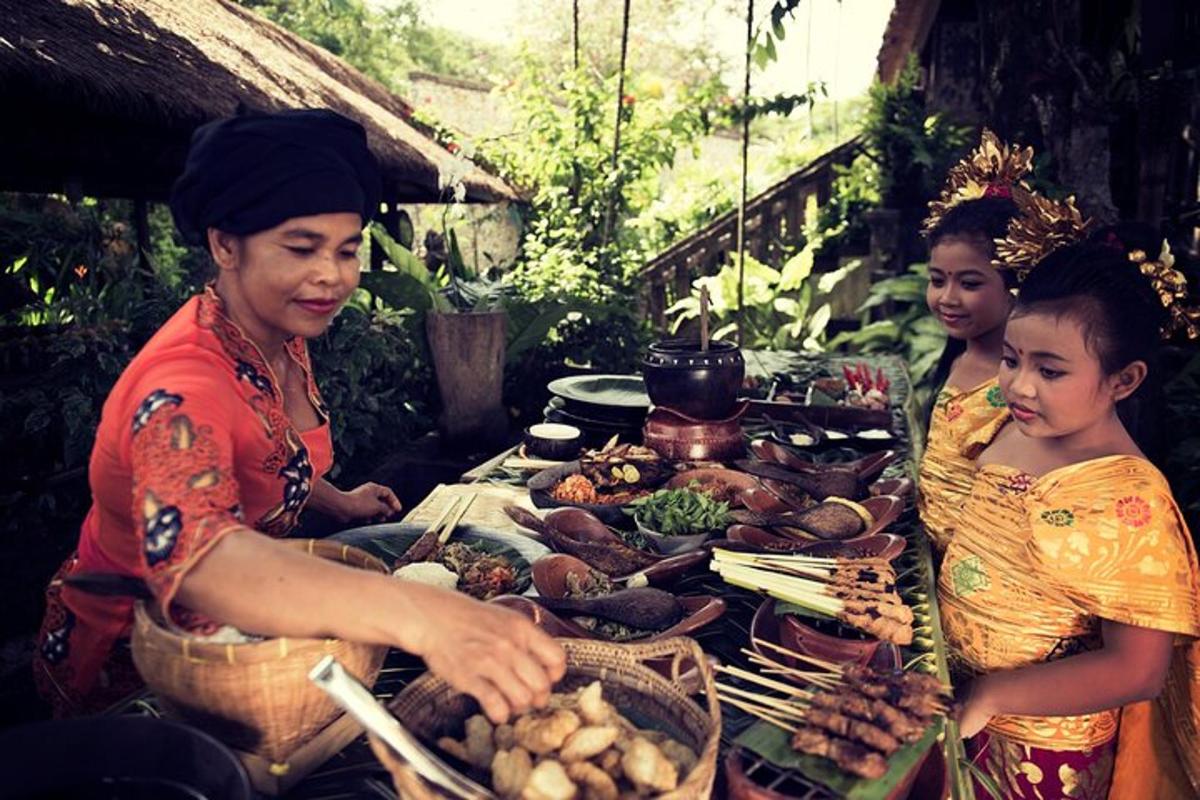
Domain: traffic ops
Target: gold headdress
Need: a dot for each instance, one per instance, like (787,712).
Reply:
(1041,227)
(1171,287)
(993,169)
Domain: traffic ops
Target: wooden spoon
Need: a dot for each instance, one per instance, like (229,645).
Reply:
(645,607)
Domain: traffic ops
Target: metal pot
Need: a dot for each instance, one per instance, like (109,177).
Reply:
(700,384)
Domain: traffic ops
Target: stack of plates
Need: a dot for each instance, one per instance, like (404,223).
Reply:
(602,406)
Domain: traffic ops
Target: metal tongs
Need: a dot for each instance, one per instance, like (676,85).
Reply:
(358,702)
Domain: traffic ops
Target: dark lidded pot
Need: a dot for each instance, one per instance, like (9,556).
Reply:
(702,385)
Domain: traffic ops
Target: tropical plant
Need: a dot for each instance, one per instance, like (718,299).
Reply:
(912,147)
(779,306)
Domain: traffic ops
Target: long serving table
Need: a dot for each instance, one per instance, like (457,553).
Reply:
(354,772)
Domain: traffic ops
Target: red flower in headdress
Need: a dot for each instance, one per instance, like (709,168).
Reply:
(998,190)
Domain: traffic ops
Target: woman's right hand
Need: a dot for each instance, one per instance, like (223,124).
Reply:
(492,653)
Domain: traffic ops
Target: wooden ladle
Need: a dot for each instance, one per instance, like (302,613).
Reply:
(644,607)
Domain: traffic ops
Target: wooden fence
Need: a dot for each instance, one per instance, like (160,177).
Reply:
(773,218)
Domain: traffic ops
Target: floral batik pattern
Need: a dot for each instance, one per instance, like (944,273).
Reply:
(183,492)
(1022,772)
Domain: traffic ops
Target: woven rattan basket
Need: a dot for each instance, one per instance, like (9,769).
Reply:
(430,708)
(255,697)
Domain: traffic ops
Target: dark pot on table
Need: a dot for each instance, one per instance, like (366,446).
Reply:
(703,385)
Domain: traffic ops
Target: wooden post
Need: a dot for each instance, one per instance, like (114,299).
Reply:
(141,229)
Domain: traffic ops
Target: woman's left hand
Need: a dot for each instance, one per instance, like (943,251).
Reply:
(371,502)
(976,710)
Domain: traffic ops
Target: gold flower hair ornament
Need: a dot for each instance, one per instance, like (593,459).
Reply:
(1041,226)
(993,169)
(1171,287)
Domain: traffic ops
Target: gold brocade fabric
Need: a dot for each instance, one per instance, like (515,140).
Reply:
(945,475)
(1036,563)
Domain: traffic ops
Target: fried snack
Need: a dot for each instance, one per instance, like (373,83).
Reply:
(504,737)
(610,762)
(544,733)
(549,781)
(510,772)
(588,741)
(593,707)
(479,744)
(595,782)
(646,766)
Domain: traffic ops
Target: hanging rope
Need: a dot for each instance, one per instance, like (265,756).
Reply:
(576,173)
(616,187)
(741,215)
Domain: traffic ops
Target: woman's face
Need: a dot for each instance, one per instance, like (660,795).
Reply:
(965,292)
(291,280)
(1054,384)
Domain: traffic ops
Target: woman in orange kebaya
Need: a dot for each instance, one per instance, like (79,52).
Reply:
(1070,594)
(214,439)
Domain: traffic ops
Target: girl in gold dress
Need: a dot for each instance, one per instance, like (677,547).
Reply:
(1071,589)
(971,300)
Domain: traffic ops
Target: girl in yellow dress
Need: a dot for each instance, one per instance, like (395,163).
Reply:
(971,300)
(1071,588)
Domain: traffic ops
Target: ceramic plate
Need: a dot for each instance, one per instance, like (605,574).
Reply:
(625,391)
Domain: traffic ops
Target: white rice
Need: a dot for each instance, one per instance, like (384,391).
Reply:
(429,573)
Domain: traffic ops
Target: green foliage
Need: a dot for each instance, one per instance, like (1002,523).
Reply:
(384,41)
(840,225)
(376,383)
(680,512)
(914,149)
(779,306)
(908,330)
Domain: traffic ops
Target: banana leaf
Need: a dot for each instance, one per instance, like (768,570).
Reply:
(774,744)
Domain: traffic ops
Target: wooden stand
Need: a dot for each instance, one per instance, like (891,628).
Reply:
(276,778)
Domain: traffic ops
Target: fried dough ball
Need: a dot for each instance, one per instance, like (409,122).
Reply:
(510,772)
(504,738)
(646,766)
(610,762)
(682,756)
(595,782)
(592,706)
(542,734)
(478,743)
(549,781)
(588,741)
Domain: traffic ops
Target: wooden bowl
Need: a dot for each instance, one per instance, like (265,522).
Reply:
(877,545)
(900,487)
(794,634)
(698,612)
(724,484)
(550,572)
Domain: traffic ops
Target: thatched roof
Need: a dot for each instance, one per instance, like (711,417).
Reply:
(906,32)
(101,96)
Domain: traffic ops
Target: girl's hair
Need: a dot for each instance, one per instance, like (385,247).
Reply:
(1095,283)
(979,223)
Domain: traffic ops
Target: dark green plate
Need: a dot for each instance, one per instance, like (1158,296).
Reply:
(390,540)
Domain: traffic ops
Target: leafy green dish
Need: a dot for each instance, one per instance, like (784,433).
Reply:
(680,512)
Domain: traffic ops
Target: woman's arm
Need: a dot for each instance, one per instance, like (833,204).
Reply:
(257,584)
(370,501)
(1131,666)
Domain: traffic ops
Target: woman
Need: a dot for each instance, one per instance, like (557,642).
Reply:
(214,439)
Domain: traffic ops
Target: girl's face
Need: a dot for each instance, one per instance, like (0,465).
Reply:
(965,292)
(1054,384)
(290,280)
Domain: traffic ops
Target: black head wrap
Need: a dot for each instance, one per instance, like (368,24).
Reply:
(251,172)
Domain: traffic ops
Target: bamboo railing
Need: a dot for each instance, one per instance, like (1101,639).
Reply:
(774,217)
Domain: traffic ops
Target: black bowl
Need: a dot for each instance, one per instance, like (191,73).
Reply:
(553,440)
(701,385)
(119,757)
